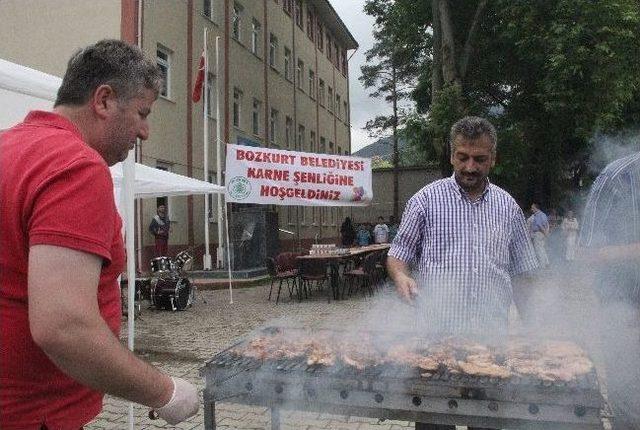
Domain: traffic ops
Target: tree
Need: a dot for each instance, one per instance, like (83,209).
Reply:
(549,73)
(392,74)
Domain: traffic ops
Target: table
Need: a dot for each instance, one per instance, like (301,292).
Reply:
(333,261)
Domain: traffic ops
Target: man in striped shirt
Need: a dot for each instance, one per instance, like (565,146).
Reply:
(466,241)
(610,239)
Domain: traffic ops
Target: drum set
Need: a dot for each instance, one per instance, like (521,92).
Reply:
(168,287)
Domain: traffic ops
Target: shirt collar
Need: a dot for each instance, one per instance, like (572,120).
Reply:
(51,119)
(453,184)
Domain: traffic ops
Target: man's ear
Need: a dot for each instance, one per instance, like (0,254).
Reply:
(103,101)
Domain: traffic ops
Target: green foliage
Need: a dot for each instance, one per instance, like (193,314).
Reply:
(549,73)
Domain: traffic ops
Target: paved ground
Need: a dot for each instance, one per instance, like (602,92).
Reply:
(180,342)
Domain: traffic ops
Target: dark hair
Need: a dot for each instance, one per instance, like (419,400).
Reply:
(474,127)
(112,62)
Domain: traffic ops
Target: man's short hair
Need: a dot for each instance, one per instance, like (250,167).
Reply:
(474,127)
(108,62)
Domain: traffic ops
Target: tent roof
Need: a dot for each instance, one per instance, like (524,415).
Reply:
(152,182)
(23,89)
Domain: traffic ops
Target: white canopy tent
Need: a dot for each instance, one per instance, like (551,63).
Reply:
(23,89)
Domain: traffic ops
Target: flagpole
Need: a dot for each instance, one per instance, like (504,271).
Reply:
(220,252)
(207,257)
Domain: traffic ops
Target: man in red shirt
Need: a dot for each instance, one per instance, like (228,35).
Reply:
(61,251)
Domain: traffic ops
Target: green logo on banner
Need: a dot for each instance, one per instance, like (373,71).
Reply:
(239,187)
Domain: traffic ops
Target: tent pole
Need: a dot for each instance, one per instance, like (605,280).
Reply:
(128,183)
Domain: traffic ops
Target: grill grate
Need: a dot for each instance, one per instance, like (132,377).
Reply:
(401,392)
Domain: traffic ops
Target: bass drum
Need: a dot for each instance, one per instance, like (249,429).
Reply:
(172,294)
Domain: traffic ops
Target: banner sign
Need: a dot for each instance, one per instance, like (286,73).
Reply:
(276,177)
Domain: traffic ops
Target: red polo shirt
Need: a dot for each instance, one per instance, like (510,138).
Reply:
(54,190)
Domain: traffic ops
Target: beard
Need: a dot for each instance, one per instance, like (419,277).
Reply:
(470,181)
(118,142)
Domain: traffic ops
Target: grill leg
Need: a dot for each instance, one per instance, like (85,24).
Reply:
(275,419)
(210,418)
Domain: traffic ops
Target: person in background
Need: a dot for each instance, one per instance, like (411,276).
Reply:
(539,225)
(570,229)
(393,228)
(463,253)
(363,236)
(381,231)
(62,251)
(160,228)
(610,251)
(347,233)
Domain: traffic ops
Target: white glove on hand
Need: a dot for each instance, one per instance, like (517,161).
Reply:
(184,402)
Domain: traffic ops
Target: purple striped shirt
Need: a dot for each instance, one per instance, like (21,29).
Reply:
(465,253)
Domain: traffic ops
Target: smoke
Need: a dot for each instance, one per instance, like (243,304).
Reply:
(606,148)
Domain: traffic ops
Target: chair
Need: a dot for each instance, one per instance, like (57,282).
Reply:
(365,274)
(277,274)
(312,271)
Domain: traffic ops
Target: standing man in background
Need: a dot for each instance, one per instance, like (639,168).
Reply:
(61,250)
(539,229)
(381,231)
(610,241)
(160,227)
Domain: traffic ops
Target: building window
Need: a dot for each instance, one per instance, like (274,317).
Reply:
(299,72)
(255,37)
(163,59)
(310,20)
(288,132)
(329,45)
(237,107)
(336,53)
(273,49)
(312,84)
(211,94)
(300,143)
(207,9)
(321,98)
(320,38)
(236,16)
(255,117)
(312,141)
(298,5)
(287,6)
(330,100)
(323,145)
(330,147)
(287,63)
(346,113)
(339,150)
(273,126)
(338,106)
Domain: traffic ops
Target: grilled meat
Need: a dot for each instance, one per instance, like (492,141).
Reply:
(551,360)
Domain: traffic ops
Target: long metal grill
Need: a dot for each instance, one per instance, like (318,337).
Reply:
(389,391)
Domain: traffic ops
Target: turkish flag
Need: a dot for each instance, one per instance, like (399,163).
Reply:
(197,89)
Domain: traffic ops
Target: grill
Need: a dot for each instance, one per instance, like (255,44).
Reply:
(390,391)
